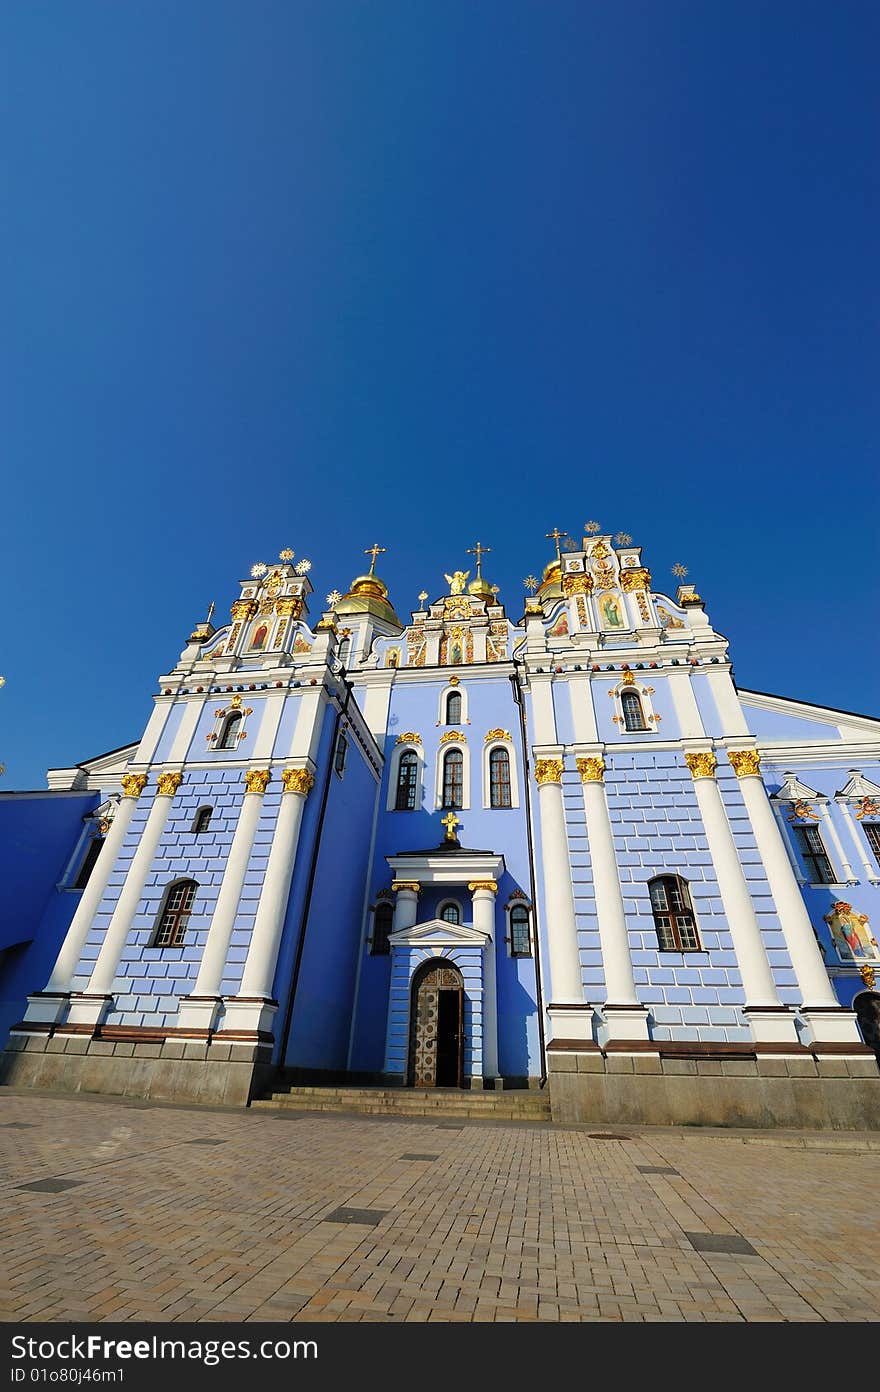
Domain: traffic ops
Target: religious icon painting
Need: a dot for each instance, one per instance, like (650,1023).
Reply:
(851,935)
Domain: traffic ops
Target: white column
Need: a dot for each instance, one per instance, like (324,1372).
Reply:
(769,1019)
(183,738)
(828,1021)
(625,1017)
(253,1007)
(48,1005)
(848,876)
(567,1008)
(483,894)
(684,702)
(406,904)
(199,1010)
(861,846)
(90,1010)
(726,699)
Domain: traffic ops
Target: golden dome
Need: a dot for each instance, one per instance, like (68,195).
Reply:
(481,589)
(368,595)
(551,583)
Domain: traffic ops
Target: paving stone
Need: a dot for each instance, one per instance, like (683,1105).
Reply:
(721,1242)
(368,1216)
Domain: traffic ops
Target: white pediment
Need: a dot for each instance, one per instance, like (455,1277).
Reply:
(793,790)
(858,786)
(436,932)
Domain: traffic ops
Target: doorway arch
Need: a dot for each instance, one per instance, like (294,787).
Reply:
(436,1031)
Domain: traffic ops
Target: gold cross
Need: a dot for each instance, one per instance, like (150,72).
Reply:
(556,534)
(450,821)
(479,551)
(210,612)
(374,551)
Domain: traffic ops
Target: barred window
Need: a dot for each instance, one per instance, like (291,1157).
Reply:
(174,914)
(673,914)
(202,819)
(453,778)
(872,831)
(229,734)
(520,935)
(633,715)
(451,913)
(407,782)
(814,855)
(499,778)
(453,708)
(383,917)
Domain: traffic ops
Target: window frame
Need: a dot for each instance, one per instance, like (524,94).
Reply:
(810,856)
(450,904)
(409,759)
(496,754)
(340,753)
(233,721)
(183,911)
(197,829)
(452,757)
(88,861)
(873,842)
(628,699)
(386,908)
(513,907)
(454,695)
(674,914)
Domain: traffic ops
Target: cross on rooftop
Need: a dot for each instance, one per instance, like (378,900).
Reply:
(479,551)
(450,821)
(374,551)
(556,536)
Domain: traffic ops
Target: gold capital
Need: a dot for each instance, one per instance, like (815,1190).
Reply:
(591,770)
(412,885)
(297,781)
(576,584)
(169,784)
(548,771)
(745,762)
(701,765)
(637,578)
(256,780)
(133,784)
(490,885)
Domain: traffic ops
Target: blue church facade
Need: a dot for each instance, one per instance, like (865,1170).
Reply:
(465,851)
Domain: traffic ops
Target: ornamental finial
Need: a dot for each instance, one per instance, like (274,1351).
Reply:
(450,821)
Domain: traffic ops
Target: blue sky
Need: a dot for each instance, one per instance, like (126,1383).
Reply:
(319,274)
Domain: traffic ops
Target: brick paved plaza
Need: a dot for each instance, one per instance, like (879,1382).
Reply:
(116,1211)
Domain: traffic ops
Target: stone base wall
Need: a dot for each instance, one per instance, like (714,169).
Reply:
(805,1092)
(179,1070)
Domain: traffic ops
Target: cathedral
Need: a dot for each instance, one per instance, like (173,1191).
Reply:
(556,849)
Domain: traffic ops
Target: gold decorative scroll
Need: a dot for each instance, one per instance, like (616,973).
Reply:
(548,771)
(576,584)
(628,679)
(412,885)
(169,784)
(701,765)
(244,608)
(638,578)
(453,737)
(496,734)
(297,781)
(289,608)
(745,762)
(256,780)
(409,738)
(490,885)
(592,769)
(133,784)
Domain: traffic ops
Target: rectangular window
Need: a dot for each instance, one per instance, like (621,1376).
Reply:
(814,855)
(872,831)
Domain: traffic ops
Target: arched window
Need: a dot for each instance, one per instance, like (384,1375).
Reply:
(343,650)
(499,778)
(450,913)
(633,715)
(520,934)
(673,914)
(174,914)
(259,638)
(453,708)
(88,865)
(229,734)
(202,819)
(407,782)
(453,778)
(383,917)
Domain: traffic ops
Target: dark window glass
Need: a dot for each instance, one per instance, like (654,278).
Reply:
(633,716)
(229,737)
(815,857)
(88,864)
(453,708)
(673,914)
(407,783)
(341,752)
(383,917)
(451,913)
(453,778)
(175,914)
(872,831)
(499,778)
(203,819)
(520,938)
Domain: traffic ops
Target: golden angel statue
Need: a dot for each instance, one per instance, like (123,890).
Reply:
(457,581)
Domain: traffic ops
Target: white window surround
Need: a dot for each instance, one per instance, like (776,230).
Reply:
(445,693)
(644,693)
(465,772)
(487,774)
(508,928)
(410,747)
(221,715)
(445,904)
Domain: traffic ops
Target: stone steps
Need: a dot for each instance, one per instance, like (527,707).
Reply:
(514,1105)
